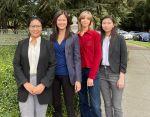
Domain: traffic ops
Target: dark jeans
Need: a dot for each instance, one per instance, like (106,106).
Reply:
(111,94)
(68,92)
(90,96)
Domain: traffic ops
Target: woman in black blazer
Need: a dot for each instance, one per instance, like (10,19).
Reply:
(34,66)
(113,67)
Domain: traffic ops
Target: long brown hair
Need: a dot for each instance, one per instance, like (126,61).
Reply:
(55,33)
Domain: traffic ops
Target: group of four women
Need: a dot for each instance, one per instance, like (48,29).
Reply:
(86,63)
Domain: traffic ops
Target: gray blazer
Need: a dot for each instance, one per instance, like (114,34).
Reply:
(73,59)
(118,54)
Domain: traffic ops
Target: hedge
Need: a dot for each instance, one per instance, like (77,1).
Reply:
(8,87)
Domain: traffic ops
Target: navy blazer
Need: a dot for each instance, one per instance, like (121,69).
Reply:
(45,70)
(73,59)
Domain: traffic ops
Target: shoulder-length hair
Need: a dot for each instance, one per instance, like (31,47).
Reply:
(82,16)
(113,31)
(55,33)
(31,19)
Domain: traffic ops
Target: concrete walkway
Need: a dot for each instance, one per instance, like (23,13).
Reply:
(136,98)
(136,101)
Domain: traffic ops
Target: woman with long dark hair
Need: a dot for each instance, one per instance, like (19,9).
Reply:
(113,67)
(68,65)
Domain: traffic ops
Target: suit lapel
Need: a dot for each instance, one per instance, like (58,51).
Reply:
(41,49)
(68,41)
(111,46)
(26,47)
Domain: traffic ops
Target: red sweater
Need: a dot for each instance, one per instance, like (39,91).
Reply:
(90,49)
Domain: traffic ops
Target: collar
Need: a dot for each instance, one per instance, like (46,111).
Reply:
(87,32)
(37,39)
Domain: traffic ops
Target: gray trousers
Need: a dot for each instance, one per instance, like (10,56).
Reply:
(32,108)
(112,96)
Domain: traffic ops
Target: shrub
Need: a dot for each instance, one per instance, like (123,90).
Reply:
(8,102)
(8,87)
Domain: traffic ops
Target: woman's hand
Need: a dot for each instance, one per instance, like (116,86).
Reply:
(121,81)
(29,87)
(77,86)
(39,89)
(90,82)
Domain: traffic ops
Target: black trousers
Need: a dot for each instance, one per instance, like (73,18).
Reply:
(68,94)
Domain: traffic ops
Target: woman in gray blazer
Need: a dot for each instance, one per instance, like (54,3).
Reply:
(34,66)
(68,64)
(113,67)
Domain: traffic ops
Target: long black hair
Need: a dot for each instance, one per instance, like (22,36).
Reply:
(55,33)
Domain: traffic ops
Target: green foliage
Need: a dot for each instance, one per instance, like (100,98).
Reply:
(138,43)
(16,12)
(8,87)
(130,13)
(139,17)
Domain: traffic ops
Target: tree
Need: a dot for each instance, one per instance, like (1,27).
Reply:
(6,9)
(16,12)
(146,16)
(139,17)
(10,13)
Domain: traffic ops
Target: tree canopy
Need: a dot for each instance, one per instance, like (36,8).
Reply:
(15,13)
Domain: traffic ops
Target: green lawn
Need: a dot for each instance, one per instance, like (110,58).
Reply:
(138,43)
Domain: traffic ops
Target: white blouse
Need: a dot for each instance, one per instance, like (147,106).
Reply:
(33,55)
(105,49)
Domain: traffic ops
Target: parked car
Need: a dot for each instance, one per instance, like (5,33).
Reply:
(136,35)
(145,36)
(121,31)
(127,36)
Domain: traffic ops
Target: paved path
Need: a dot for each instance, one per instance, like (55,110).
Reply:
(136,101)
(136,98)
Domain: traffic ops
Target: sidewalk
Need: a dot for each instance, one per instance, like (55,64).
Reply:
(136,100)
(136,97)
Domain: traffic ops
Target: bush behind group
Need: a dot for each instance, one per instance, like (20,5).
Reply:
(8,88)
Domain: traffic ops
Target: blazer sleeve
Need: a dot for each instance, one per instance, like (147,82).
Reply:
(18,73)
(123,55)
(50,74)
(77,58)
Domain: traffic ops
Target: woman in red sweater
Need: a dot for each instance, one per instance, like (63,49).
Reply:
(90,49)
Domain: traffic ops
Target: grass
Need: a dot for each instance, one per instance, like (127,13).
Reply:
(138,43)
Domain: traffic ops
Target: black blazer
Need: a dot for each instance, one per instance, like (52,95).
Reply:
(45,69)
(118,54)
